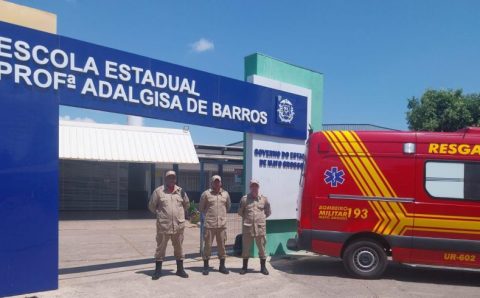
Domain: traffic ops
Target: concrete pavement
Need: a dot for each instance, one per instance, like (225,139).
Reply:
(113,258)
(298,276)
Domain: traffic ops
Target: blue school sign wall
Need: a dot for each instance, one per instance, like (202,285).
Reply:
(39,71)
(81,74)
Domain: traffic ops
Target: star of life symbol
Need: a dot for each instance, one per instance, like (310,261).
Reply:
(285,110)
(334,177)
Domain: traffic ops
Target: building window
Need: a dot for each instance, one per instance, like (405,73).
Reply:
(453,180)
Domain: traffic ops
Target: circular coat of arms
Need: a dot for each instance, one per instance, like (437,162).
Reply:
(285,111)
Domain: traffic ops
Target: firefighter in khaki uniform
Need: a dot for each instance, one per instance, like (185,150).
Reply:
(169,202)
(214,204)
(254,209)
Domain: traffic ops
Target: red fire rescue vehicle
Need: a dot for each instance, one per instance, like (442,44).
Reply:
(414,196)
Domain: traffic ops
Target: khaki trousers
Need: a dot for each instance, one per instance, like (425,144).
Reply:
(162,241)
(208,235)
(247,240)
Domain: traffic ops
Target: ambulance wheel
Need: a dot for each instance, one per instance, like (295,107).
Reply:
(365,259)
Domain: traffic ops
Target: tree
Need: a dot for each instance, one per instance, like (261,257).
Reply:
(473,104)
(443,110)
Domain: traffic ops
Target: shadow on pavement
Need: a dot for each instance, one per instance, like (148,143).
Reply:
(214,268)
(214,263)
(165,272)
(309,265)
(326,266)
(105,266)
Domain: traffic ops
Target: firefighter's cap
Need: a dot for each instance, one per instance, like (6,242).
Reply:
(215,177)
(170,173)
(254,181)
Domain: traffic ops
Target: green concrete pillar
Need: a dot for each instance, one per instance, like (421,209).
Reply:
(279,231)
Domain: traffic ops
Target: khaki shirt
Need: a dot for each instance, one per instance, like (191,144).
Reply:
(170,208)
(215,207)
(254,212)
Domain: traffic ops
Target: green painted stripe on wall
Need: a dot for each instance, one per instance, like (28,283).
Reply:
(277,241)
(278,233)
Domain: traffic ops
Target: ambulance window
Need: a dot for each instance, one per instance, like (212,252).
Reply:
(445,180)
(472,181)
(453,180)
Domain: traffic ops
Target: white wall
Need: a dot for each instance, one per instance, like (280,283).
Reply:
(280,185)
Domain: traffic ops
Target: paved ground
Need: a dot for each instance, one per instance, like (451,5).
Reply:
(112,239)
(113,258)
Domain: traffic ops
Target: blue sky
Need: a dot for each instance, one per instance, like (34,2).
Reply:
(374,54)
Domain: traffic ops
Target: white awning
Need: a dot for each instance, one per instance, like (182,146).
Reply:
(124,143)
